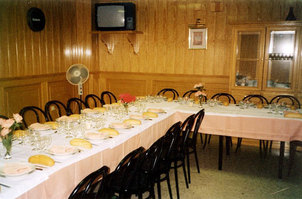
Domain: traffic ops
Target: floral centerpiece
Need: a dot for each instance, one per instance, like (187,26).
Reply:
(126,99)
(7,127)
(200,92)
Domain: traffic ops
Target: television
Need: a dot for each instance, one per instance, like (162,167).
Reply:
(115,16)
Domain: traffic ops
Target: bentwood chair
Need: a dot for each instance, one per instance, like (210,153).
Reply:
(293,101)
(256,99)
(124,172)
(108,95)
(144,172)
(3,117)
(93,100)
(32,114)
(179,152)
(169,90)
(220,96)
(55,109)
(79,105)
(91,186)
(164,165)
(192,141)
(189,93)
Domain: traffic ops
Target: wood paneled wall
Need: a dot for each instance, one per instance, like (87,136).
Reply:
(44,56)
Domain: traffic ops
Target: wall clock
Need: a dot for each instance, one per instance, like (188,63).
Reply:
(35,19)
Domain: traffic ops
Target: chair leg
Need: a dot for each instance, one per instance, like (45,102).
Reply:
(270,145)
(158,188)
(292,153)
(176,179)
(205,141)
(185,173)
(196,159)
(188,164)
(209,140)
(239,140)
(201,140)
(169,185)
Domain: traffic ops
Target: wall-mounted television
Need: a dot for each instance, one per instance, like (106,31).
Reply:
(115,16)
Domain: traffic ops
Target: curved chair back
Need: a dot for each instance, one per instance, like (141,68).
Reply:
(169,90)
(108,95)
(186,128)
(219,96)
(189,93)
(79,105)
(3,117)
(37,115)
(55,109)
(93,100)
(286,98)
(199,118)
(90,183)
(260,98)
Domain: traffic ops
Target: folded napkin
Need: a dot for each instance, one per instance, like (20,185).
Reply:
(109,131)
(41,159)
(81,143)
(132,122)
(150,114)
(53,125)
(292,115)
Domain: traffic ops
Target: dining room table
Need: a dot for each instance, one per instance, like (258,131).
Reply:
(69,169)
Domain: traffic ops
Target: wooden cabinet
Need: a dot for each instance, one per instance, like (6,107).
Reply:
(265,59)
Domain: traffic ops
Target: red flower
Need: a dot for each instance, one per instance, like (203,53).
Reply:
(127,98)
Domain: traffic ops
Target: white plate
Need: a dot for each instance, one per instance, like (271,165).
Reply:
(14,169)
(39,127)
(120,126)
(95,136)
(62,150)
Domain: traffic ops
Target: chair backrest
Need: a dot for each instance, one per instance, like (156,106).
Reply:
(189,93)
(219,96)
(55,109)
(90,183)
(109,95)
(286,98)
(186,128)
(80,104)
(39,115)
(199,118)
(260,98)
(169,90)
(3,117)
(93,100)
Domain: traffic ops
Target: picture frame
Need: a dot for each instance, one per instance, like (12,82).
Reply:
(198,38)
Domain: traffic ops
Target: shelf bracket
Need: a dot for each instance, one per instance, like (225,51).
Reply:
(108,40)
(134,41)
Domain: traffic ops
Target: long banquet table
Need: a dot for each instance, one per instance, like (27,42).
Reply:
(58,181)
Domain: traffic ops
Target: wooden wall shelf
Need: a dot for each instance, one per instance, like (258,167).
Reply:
(108,39)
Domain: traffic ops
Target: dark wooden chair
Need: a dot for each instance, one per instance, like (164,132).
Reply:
(192,141)
(124,172)
(3,117)
(163,169)
(189,93)
(292,152)
(169,90)
(178,154)
(93,100)
(55,109)
(286,99)
(108,95)
(260,99)
(39,115)
(91,186)
(219,96)
(80,104)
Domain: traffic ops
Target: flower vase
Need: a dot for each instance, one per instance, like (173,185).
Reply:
(200,102)
(126,108)
(7,143)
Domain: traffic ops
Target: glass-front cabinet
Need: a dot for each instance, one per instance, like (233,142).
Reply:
(264,58)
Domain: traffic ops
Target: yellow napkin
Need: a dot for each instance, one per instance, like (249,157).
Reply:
(293,115)
(132,121)
(100,109)
(75,116)
(150,114)
(170,99)
(20,133)
(81,142)
(41,159)
(54,125)
(109,131)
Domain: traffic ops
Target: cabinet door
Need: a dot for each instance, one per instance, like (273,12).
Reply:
(248,58)
(280,59)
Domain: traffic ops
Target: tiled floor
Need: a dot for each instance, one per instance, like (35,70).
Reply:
(245,175)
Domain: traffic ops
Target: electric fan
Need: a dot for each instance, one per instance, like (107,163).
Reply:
(77,74)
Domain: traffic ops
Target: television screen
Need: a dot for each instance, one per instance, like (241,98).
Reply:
(111,16)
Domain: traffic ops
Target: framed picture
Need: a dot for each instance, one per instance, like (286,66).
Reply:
(198,38)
